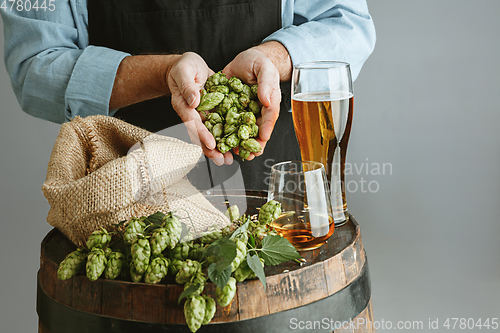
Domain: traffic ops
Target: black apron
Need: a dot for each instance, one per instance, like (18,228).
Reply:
(215,29)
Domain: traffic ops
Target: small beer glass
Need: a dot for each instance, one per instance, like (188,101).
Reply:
(301,188)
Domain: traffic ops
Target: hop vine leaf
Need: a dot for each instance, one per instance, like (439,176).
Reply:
(276,249)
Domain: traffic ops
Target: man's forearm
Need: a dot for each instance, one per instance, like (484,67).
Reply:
(278,54)
(141,78)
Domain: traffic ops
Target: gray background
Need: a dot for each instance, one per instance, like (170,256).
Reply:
(427,102)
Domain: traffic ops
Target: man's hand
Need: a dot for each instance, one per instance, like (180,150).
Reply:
(185,80)
(145,77)
(265,65)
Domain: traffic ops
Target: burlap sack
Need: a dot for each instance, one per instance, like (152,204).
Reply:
(103,171)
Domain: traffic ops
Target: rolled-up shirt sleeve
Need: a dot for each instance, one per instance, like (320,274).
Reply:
(54,72)
(315,30)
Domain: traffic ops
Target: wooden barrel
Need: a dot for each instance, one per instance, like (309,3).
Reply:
(330,292)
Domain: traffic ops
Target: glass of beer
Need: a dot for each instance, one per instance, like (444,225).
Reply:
(301,188)
(322,105)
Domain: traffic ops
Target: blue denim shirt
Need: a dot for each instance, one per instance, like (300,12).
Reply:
(56,75)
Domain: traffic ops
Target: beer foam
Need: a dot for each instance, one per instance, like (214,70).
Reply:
(322,96)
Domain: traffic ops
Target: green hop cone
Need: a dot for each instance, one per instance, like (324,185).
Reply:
(208,125)
(174,266)
(141,253)
(157,270)
(233,140)
(174,228)
(235,97)
(217,130)
(96,263)
(241,254)
(244,100)
(216,79)
(242,272)
(236,84)
(254,107)
(220,88)
(244,132)
(230,128)
(114,265)
(269,212)
(251,145)
(225,295)
(134,275)
(159,241)
(99,238)
(198,278)
(240,236)
(134,228)
(224,106)
(210,308)
(222,146)
(71,264)
(237,105)
(194,311)
(232,213)
(187,270)
(244,154)
(214,118)
(196,251)
(254,88)
(180,251)
(210,101)
(211,236)
(255,131)
(232,116)
(246,90)
(247,118)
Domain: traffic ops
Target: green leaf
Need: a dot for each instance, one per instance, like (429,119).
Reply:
(276,249)
(189,291)
(256,266)
(156,218)
(221,252)
(220,278)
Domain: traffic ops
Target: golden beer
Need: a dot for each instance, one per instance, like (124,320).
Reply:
(322,122)
(296,228)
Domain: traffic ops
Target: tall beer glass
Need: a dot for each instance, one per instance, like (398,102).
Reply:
(322,106)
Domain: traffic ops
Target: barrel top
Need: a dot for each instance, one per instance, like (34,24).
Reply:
(56,246)
(325,272)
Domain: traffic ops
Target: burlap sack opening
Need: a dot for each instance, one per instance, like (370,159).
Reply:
(103,171)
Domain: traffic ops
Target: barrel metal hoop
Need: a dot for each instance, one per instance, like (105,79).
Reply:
(339,308)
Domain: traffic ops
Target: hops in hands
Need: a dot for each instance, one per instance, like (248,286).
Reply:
(234,107)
